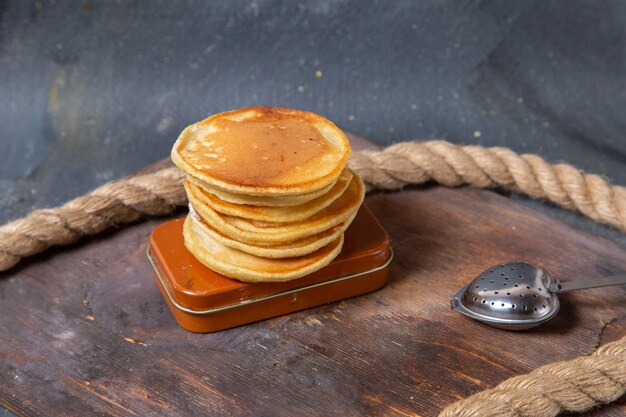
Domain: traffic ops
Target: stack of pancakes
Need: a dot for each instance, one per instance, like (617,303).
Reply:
(269,194)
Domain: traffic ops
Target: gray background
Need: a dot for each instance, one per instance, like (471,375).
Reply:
(90,91)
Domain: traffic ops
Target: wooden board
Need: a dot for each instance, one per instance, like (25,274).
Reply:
(85,331)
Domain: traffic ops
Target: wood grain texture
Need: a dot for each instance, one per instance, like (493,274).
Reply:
(85,331)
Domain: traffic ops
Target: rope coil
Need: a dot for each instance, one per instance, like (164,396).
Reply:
(575,385)
(452,165)
(111,204)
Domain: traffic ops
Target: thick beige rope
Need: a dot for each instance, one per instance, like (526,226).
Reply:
(576,385)
(452,165)
(391,168)
(109,205)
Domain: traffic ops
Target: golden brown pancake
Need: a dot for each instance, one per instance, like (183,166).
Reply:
(342,209)
(272,250)
(275,214)
(245,267)
(263,151)
(257,200)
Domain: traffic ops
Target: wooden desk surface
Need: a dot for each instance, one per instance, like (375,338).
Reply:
(85,331)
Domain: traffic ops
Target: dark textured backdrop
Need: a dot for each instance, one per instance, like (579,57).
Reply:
(90,91)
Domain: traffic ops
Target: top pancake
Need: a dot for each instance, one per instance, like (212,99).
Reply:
(263,151)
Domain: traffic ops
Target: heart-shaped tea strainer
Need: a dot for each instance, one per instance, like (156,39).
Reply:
(518,295)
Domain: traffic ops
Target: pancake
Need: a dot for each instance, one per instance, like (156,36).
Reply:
(245,267)
(256,200)
(282,250)
(342,209)
(263,151)
(275,214)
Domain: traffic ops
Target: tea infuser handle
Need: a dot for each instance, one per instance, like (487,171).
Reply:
(559,287)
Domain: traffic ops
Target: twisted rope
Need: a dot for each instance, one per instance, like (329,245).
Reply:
(391,168)
(111,204)
(575,385)
(452,165)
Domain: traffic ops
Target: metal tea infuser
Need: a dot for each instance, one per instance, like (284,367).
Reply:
(518,295)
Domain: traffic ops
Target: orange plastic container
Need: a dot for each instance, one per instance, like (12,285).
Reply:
(204,301)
